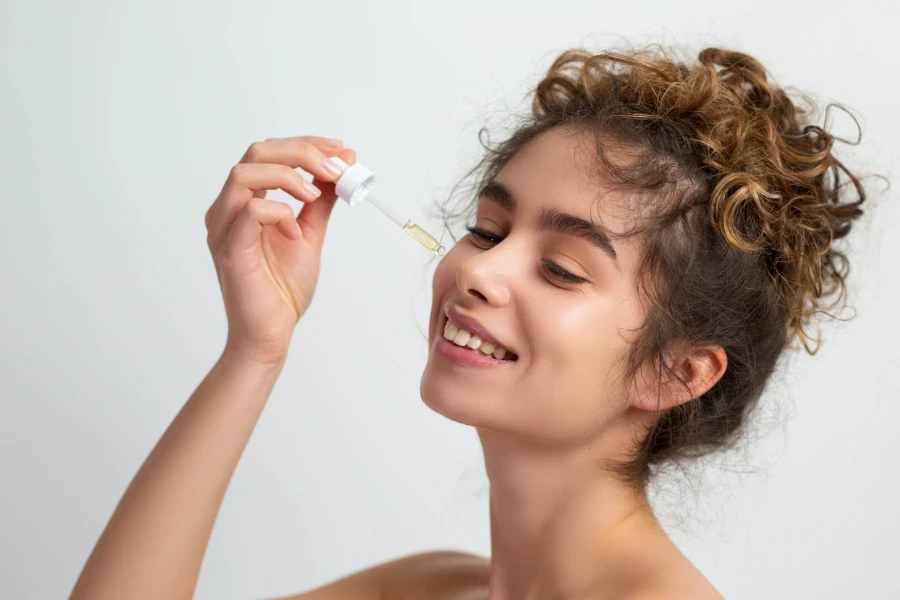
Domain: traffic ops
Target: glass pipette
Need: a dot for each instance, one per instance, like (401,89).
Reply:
(419,234)
(354,186)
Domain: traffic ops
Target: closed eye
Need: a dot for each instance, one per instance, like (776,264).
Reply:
(486,238)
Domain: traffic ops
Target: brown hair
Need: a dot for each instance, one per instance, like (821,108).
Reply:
(748,201)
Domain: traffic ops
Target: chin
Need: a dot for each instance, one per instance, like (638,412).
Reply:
(445,397)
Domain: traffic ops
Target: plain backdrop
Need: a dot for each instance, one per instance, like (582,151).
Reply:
(120,121)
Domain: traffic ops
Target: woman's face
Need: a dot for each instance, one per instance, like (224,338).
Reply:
(538,277)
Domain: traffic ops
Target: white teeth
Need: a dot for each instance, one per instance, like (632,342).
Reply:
(450,331)
(461,337)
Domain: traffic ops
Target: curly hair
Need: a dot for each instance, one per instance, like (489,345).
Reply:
(748,200)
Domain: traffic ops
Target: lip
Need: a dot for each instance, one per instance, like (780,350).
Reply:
(465,357)
(472,326)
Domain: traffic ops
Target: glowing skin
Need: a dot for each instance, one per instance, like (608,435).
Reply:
(548,419)
(567,336)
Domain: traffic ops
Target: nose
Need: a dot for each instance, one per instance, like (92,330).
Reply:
(480,278)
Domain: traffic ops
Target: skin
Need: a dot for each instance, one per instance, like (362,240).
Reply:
(562,526)
(267,264)
(560,523)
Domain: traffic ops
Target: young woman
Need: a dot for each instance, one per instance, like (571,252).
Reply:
(640,252)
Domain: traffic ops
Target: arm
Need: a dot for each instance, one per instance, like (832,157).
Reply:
(154,543)
(267,263)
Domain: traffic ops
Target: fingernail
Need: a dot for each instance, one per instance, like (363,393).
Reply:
(332,167)
(334,143)
(311,189)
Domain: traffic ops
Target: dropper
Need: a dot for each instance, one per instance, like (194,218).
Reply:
(354,186)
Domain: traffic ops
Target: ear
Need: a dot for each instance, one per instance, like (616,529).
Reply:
(689,376)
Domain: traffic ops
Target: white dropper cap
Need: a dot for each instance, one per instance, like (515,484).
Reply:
(354,183)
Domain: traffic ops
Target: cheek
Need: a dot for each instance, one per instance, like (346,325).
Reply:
(579,329)
(578,346)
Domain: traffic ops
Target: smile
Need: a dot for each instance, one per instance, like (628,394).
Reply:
(466,339)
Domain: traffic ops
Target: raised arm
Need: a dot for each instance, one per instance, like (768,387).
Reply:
(267,264)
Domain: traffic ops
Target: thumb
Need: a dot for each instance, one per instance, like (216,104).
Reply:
(313,218)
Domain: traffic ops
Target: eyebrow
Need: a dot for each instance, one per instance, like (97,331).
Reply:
(554,220)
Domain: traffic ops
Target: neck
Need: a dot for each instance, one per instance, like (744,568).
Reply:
(557,516)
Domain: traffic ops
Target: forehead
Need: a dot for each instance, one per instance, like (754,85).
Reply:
(560,170)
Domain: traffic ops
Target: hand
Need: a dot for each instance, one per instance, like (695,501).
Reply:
(267,261)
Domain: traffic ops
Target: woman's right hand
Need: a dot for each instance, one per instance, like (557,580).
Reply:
(267,261)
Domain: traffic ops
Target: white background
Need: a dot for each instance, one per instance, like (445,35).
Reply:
(120,122)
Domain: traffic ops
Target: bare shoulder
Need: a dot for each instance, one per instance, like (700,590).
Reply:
(438,575)
(686,592)
(699,593)
(675,580)
(427,574)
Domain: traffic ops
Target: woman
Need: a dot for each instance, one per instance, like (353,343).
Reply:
(642,250)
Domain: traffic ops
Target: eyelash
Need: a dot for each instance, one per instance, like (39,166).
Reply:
(556,270)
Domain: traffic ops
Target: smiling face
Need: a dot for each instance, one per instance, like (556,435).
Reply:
(537,277)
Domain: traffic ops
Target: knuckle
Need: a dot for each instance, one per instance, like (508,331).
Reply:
(254,151)
(308,151)
(237,173)
(287,173)
(255,206)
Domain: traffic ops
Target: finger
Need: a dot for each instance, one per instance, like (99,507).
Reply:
(327,187)
(248,226)
(329,146)
(325,143)
(348,156)
(333,145)
(209,217)
(239,189)
(313,218)
(244,178)
(307,153)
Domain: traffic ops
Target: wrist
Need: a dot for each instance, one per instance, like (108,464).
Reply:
(243,359)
